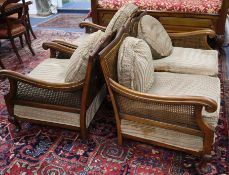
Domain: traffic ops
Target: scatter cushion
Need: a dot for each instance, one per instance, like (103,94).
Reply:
(77,66)
(151,30)
(135,65)
(174,84)
(50,70)
(189,61)
(120,17)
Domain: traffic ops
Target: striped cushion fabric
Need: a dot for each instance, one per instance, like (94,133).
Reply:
(174,84)
(120,17)
(135,65)
(151,30)
(50,70)
(189,61)
(77,66)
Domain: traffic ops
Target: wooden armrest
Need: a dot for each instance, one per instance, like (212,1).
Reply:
(15,76)
(206,32)
(72,46)
(196,39)
(57,47)
(209,104)
(91,27)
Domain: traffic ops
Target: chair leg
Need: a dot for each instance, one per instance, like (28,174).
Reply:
(30,27)
(1,64)
(203,163)
(21,41)
(31,30)
(15,50)
(15,123)
(29,44)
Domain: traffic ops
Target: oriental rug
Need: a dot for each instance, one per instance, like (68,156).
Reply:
(43,150)
(64,21)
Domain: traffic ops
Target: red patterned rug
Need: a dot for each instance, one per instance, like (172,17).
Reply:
(64,21)
(48,150)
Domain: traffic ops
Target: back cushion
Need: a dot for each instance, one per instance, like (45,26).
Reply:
(135,65)
(151,30)
(121,17)
(77,66)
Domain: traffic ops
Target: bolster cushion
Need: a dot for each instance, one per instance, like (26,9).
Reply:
(135,65)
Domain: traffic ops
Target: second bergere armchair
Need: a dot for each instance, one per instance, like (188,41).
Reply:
(176,111)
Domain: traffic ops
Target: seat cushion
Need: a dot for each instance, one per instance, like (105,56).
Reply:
(189,61)
(76,69)
(16,28)
(135,65)
(152,31)
(51,70)
(190,6)
(173,84)
(121,17)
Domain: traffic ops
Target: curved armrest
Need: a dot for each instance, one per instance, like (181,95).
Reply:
(15,76)
(206,32)
(57,47)
(193,39)
(72,46)
(209,104)
(91,27)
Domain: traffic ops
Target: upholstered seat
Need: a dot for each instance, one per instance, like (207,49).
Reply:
(172,84)
(16,28)
(50,70)
(190,61)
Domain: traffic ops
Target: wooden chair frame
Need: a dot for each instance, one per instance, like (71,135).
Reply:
(108,61)
(58,48)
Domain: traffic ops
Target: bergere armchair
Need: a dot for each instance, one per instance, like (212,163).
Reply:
(65,90)
(50,101)
(179,111)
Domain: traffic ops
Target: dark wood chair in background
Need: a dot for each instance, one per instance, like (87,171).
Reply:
(10,29)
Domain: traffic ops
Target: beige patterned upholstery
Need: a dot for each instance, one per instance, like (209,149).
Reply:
(189,61)
(93,108)
(120,17)
(135,65)
(60,117)
(47,115)
(161,135)
(77,66)
(173,84)
(151,30)
(50,70)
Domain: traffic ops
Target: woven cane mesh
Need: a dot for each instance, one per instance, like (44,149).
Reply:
(181,115)
(197,41)
(28,92)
